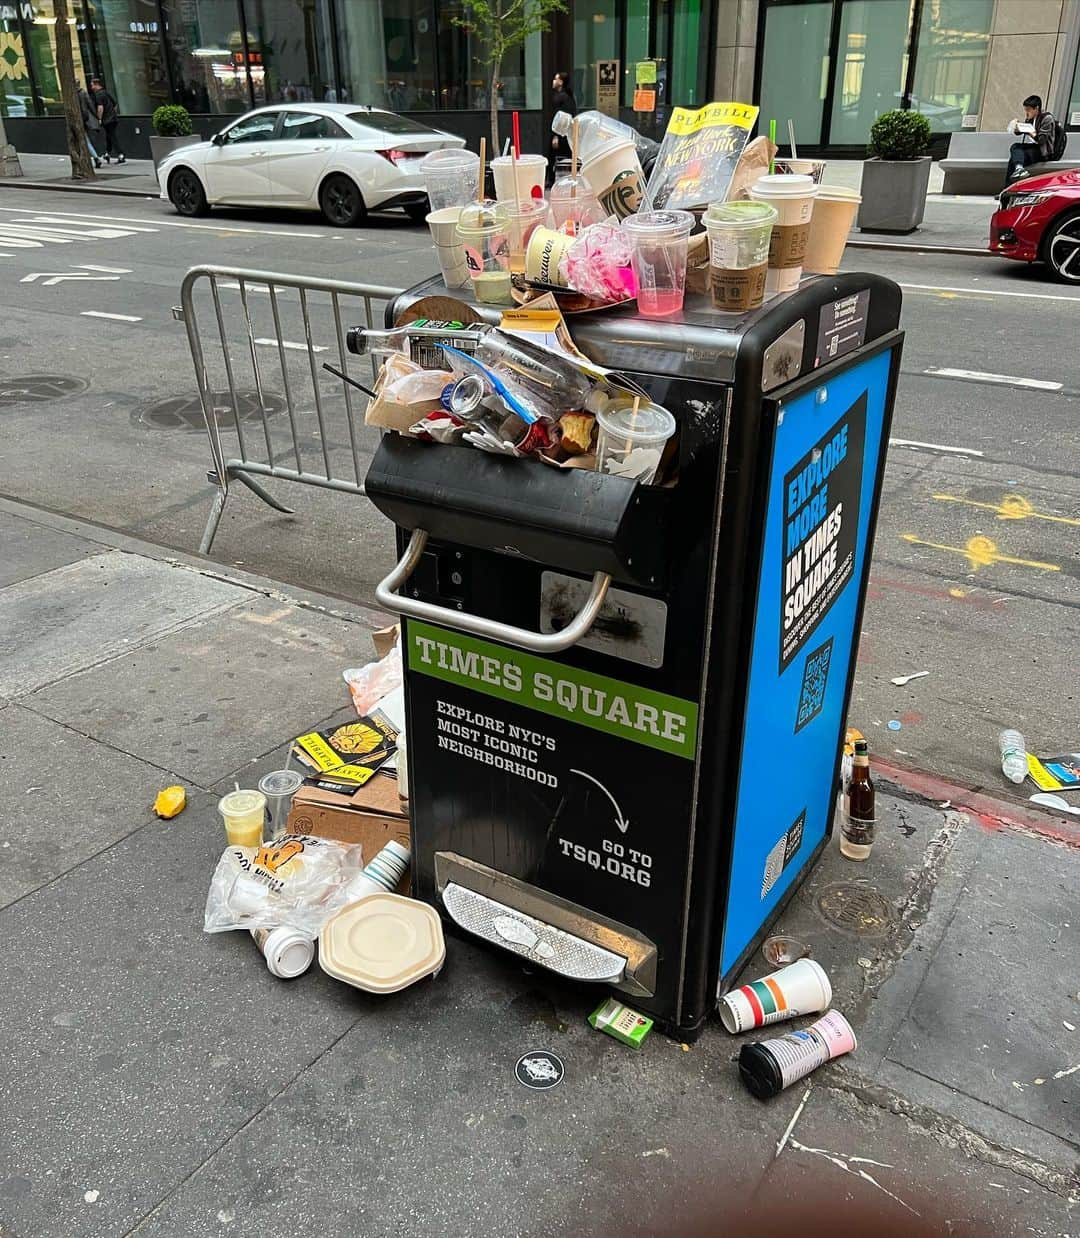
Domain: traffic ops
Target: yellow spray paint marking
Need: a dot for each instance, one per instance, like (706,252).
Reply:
(1011,507)
(958,593)
(981,552)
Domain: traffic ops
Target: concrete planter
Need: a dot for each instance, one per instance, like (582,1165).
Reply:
(893,194)
(160,147)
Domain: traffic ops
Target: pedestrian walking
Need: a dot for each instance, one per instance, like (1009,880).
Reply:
(91,126)
(562,100)
(1036,145)
(109,115)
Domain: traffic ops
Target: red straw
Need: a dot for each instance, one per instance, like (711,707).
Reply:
(517,136)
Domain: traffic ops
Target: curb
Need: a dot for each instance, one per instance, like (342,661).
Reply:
(898,247)
(20,183)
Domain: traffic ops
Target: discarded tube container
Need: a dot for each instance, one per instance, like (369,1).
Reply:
(769,1066)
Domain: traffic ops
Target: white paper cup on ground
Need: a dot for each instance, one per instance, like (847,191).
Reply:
(632,444)
(616,178)
(531,171)
(835,208)
(801,988)
(793,197)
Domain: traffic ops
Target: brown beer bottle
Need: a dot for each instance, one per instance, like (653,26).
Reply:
(857,827)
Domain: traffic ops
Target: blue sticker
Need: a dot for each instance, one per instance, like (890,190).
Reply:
(815,677)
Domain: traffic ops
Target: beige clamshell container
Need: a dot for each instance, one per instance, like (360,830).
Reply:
(382,943)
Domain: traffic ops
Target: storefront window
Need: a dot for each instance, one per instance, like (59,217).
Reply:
(125,48)
(1072,117)
(207,51)
(288,51)
(795,67)
(954,36)
(689,87)
(871,68)
(16,94)
(41,36)
(597,36)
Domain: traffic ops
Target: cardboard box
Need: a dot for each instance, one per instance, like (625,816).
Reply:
(372,818)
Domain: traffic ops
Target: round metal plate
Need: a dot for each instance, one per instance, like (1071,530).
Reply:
(184,412)
(856,909)
(539,1070)
(39,388)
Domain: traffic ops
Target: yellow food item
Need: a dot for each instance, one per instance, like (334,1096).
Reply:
(577,432)
(170,801)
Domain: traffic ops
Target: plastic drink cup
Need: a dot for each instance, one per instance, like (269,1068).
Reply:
(530,170)
(772,1065)
(279,787)
(631,444)
(573,204)
(739,234)
(544,254)
(484,229)
(451,177)
(616,178)
(801,988)
(244,813)
(443,225)
(793,197)
(524,220)
(814,168)
(835,208)
(659,241)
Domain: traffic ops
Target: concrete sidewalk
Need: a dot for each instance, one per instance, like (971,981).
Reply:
(135,178)
(157,1080)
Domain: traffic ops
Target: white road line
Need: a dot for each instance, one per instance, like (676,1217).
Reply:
(1008,380)
(952,451)
(250,288)
(55,228)
(102,314)
(89,266)
(68,219)
(990,292)
(291,344)
(14,232)
(175,223)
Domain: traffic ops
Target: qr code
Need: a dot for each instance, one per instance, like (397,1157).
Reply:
(815,677)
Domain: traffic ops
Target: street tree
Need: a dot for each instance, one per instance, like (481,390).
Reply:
(81,166)
(502,26)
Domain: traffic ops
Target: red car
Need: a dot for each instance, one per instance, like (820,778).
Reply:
(1039,221)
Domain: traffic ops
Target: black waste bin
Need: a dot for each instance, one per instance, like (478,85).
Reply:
(626,703)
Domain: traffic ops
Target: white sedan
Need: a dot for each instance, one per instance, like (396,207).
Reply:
(338,158)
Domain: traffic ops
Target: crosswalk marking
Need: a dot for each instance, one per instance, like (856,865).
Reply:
(102,314)
(30,231)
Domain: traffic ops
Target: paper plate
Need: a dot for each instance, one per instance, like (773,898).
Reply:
(382,943)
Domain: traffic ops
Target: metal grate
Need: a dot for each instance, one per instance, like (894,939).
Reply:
(856,909)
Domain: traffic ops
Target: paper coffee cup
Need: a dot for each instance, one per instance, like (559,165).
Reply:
(793,198)
(835,208)
(802,988)
(530,170)
(616,178)
(452,263)
(546,250)
(443,225)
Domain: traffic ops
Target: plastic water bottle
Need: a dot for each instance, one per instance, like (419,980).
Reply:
(595,131)
(1013,755)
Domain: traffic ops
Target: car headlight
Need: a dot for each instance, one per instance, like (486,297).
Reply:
(1011,200)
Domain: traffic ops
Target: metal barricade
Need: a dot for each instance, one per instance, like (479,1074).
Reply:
(320,433)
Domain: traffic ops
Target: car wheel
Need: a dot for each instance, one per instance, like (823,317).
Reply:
(186,193)
(341,202)
(417,212)
(1062,248)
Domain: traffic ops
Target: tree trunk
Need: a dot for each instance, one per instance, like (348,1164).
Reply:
(493,100)
(81,166)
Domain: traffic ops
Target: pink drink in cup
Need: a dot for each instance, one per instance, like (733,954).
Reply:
(659,241)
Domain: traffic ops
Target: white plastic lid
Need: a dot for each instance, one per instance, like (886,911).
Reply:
(657,225)
(288,952)
(281,782)
(451,160)
(650,424)
(528,160)
(382,943)
(838,193)
(783,185)
(239,803)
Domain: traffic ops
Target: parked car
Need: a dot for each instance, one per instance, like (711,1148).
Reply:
(338,158)
(1038,220)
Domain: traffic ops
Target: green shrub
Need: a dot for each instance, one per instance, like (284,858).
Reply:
(899,135)
(172,121)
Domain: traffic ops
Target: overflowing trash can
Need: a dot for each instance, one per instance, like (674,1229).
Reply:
(626,702)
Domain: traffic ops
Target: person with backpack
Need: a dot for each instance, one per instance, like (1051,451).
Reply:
(109,115)
(91,125)
(1047,139)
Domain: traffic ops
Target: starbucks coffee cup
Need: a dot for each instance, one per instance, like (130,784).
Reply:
(530,171)
(616,178)
(835,208)
(546,250)
(802,988)
(739,235)
(793,197)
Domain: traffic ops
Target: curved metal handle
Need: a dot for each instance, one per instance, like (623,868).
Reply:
(387,596)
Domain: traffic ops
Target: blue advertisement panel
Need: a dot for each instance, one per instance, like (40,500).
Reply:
(820,500)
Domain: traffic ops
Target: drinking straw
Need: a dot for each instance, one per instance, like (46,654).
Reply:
(506,147)
(483,164)
(573,170)
(348,379)
(772,139)
(791,137)
(519,232)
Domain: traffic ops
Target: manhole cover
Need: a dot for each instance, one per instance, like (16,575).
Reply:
(184,412)
(37,388)
(855,909)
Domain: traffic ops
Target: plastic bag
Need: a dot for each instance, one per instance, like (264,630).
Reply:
(369,684)
(297,879)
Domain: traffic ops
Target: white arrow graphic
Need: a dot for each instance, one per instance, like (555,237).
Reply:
(56,277)
(620,821)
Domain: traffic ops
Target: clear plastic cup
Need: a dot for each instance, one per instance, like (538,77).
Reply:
(244,813)
(279,787)
(484,228)
(525,218)
(814,168)
(793,196)
(739,234)
(574,205)
(531,172)
(631,443)
(659,241)
(451,178)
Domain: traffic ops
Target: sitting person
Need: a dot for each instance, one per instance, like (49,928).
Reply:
(1036,143)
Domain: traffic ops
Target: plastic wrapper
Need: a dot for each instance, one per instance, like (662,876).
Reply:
(369,684)
(598,264)
(438,427)
(297,880)
(419,386)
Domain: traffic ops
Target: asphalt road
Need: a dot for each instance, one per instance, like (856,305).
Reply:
(976,568)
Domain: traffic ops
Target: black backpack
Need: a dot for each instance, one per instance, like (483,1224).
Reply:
(1060,139)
